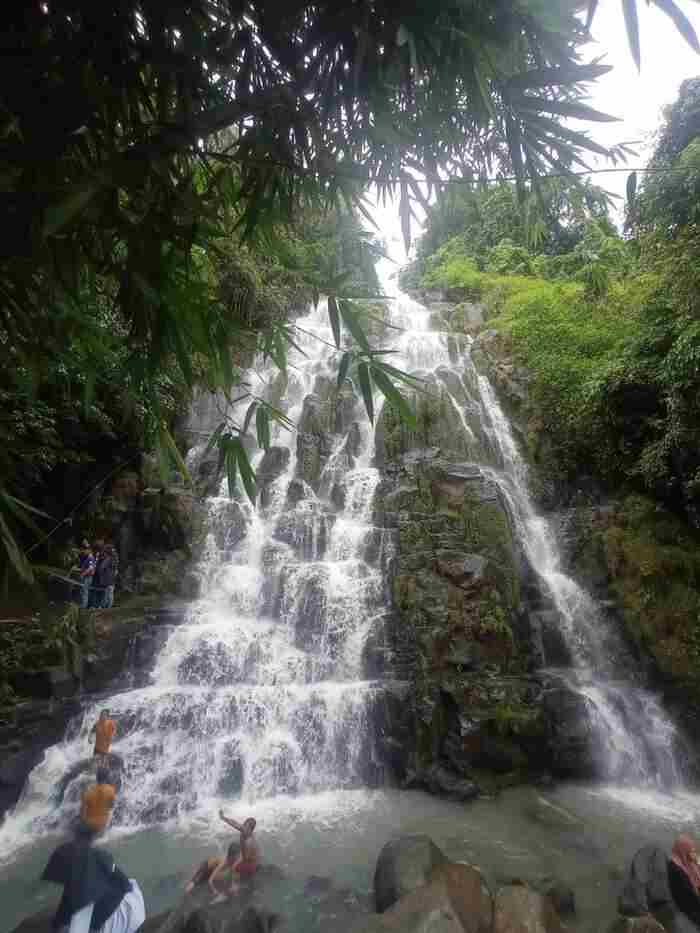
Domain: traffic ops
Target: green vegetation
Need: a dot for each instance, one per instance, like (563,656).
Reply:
(163,167)
(608,327)
(654,562)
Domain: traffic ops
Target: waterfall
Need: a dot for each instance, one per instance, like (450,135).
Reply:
(635,740)
(264,689)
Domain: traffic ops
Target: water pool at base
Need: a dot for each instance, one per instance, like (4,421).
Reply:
(581,835)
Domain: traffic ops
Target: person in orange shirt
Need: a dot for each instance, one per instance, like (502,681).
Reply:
(97,803)
(105,729)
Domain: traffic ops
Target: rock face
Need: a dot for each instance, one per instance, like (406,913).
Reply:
(460,629)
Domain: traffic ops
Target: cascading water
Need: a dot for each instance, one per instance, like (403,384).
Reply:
(635,740)
(263,690)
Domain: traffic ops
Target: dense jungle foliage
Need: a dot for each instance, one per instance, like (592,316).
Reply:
(163,165)
(607,323)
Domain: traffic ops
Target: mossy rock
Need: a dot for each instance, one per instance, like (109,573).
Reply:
(653,559)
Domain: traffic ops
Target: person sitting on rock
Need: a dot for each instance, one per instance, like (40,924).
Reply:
(213,868)
(246,864)
(97,803)
(105,729)
(684,878)
(97,895)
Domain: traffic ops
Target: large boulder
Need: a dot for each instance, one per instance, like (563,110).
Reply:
(455,899)
(519,909)
(469,895)
(570,732)
(404,864)
(426,910)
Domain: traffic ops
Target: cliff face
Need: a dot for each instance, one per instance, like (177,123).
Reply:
(628,549)
(477,634)
(476,714)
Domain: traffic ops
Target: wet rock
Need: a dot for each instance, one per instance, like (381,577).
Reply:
(562,897)
(465,570)
(296,491)
(571,736)
(547,634)
(404,864)
(442,780)
(51,683)
(228,522)
(425,910)
(353,445)
(645,924)
(273,464)
(191,585)
(231,773)
(344,410)
(317,885)
(469,895)
(519,909)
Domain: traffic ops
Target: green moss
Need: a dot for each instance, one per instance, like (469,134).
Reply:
(654,562)
(567,340)
(487,532)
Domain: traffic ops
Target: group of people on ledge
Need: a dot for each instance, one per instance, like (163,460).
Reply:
(96,574)
(97,895)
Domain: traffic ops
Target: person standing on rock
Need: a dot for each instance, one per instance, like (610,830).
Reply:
(105,729)
(95,594)
(97,803)
(86,571)
(104,577)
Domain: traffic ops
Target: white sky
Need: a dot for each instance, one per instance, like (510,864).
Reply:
(636,98)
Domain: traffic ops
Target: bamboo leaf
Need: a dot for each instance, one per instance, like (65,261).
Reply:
(262,425)
(553,77)
(334,319)
(366,388)
(392,394)
(590,14)
(629,9)
(214,439)
(405,216)
(573,109)
(18,506)
(246,470)
(343,368)
(172,449)
(681,21)
(248,416)
(231,464)
(352,323)
(15,556)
